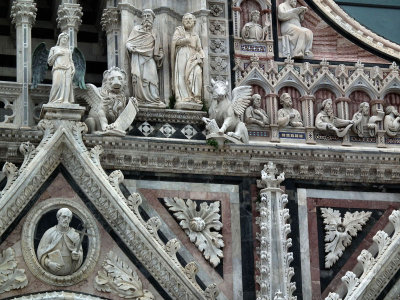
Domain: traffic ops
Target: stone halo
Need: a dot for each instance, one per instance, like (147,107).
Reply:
(28,235)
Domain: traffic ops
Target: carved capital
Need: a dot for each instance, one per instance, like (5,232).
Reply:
(110,20)
(23,12)
(270,177)
(69,15)
(11,277)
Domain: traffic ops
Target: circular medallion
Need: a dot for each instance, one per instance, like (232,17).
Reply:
(60,241)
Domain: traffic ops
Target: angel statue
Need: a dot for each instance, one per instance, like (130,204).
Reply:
(225,114)
(68,68)
(110,112)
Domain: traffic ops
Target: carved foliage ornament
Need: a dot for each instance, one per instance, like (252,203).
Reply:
(339,232)
(198,225)
(11,278)
(118,278)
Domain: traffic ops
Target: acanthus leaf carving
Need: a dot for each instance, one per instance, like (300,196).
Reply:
(339,232)
(211,292)
(118,278)
(202,226)
(351,281)
(11,278)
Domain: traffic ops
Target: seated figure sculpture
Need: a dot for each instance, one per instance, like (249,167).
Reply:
(225,113)
(288,116)
(391,122)
(252,31)
(364,123)
(60,250)
(300,38)
(326,120)
(255,114)
(111,113)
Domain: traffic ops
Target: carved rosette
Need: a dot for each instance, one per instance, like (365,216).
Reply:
(11,278)
(110,20)
(23,12)
(69,15)
(118,278)
(202,226)
(339,232)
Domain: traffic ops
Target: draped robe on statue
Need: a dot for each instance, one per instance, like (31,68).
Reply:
(143,46)
(53,242)
(63,73)
(186,66)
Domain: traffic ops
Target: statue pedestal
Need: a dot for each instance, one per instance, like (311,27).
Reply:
(62,111)
(188,106)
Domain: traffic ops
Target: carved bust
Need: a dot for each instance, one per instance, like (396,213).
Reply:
(252,31)
(288,116)
(255,114)
(60,248)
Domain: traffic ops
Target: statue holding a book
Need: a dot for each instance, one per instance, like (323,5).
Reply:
(60,248)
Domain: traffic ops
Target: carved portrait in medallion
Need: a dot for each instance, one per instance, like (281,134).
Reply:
(60,241)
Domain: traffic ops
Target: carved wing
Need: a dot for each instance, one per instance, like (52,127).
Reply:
(80,68)
(91,95)
(39,64)
(241,97)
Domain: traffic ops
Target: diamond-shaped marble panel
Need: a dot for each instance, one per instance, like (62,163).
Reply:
(167,130)
(146,128)
(188,131)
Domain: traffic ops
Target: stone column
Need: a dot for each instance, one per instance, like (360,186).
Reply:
(307,108)
(69,19)
(275,275)
(272,106)
(23,14)
(110,22)
(342,108)
(378,111)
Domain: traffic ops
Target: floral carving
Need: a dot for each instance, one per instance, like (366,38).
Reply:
(217,46)
(217,27)
(11,278)
(118,278)
(216,10)
(339,232)
(219,64)
(198,225)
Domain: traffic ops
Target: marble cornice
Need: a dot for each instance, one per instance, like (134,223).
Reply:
(300,161)
(341,19)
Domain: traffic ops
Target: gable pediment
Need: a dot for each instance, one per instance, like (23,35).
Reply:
(62,145)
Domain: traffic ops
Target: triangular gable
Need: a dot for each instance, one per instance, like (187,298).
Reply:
(62,144)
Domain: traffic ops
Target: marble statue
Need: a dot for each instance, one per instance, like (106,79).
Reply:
(146,56)
(187,59)
(60,248)
(254,114)
(252,31)
(364,124)
(300,38)
(326,120)
(60,57)
(287,115)
(391,122)
(111,113)
(69,68)
(226,113)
